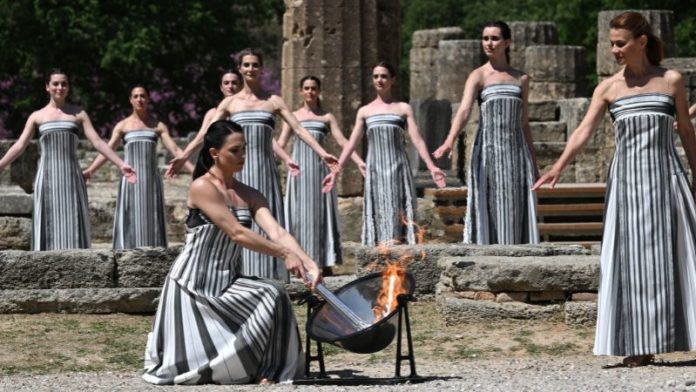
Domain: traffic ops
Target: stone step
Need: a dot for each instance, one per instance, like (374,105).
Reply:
(548,131)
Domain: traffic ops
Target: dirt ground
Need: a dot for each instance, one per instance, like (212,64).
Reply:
(49,343)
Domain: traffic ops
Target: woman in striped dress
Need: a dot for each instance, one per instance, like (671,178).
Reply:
(255,110)
(139,218)
(310,215)
(501,208)
(214,325)
(647,291)
(60,216)
(389,209)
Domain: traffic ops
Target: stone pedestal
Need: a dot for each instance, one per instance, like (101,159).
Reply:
(423,59)
(456,59)
(662,22)
(525,34)
(339,43)
(557,71)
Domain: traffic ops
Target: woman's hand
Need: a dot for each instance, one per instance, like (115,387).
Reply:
(175,166)
(331,161)
(550,177)
(329,181)
(293,167)
(294,265)
(444,149)
(129,173)
(438,176)
(87,175)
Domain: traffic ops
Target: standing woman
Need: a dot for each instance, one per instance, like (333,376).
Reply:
(647,292)
(501,208)
(310,215)
(61,216)
(139,219)
(255,110)
(230,84)
(389,207)
(212,324)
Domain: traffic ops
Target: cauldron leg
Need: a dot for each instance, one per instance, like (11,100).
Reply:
(404,319)
(311,304)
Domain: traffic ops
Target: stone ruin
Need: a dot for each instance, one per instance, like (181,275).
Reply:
(468,282)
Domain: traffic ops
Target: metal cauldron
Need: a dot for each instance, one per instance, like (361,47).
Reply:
(325,324)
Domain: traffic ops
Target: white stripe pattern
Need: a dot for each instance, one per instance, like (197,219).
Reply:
(647,293)
(310,215)
(61,215)
(215,326)
(260,173)
(139,218)
(501,207)
(389,192)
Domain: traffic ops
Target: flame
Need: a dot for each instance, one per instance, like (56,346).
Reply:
(393,279)
(394,273)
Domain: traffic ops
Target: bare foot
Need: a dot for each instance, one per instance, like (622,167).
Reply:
(265,381)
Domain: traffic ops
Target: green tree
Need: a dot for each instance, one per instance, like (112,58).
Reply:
(176,48)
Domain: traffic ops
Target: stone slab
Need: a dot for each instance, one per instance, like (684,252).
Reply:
(462,311)
(580,313)
(64,269)
(80,300)
(569,273)
(144,267)
(15,233)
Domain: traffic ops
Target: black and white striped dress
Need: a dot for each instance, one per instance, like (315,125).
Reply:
(215,326)
(139,218)
(310,215)
(260,173)
(389,209)
(647,293)
(61,214)
(501,207)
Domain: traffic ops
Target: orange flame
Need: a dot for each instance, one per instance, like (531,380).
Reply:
(393,279)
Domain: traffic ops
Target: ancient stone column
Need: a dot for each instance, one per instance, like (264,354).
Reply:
(556,71)
(455,61)
(423,59)
(339,42)
(525,34)
(662,22)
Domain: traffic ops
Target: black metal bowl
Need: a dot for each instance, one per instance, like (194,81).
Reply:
(325,324)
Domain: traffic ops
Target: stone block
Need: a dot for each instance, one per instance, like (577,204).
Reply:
(430,260)
(512,296)
(544,91)
(350,218)
(542,111)
(462,311)
(434,120)
(548,131)
(525,34)
(15,233)
(144,267)
(547,296)
(431,38)
(527,273)
(586,297)
(15,203)
(662,22)
(456,59)
(556,63)
(80,300)
(64,269)
(23,170)
(572,111)
(580,313)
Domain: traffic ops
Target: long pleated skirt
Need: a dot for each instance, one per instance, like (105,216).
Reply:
(216,326)
(647,293)
(139,219)
(260,173)
(310,215)
(61,213)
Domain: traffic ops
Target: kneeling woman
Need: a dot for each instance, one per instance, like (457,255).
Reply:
(213,325)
